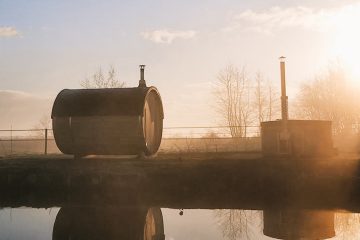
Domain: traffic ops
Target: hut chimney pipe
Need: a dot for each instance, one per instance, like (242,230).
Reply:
(284,140)
(142,82)
(284,98)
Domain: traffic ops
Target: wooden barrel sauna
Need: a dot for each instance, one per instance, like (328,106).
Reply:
(109,121)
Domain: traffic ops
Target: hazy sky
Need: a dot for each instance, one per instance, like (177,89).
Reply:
(46,46)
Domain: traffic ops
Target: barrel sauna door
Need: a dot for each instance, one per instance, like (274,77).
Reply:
(152,122)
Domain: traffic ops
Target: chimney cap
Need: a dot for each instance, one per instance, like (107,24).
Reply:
(142,82)
(282,59)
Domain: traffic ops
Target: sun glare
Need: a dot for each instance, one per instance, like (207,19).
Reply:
(346,40)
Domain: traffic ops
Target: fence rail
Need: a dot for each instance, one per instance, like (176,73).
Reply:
(178,138)
(19,141)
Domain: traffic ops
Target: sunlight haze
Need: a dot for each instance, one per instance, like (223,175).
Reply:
(46,46)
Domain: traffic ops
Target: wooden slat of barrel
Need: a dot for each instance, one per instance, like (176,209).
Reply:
(62,134)
(107,135)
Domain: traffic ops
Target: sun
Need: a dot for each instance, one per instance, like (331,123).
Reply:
(346,41)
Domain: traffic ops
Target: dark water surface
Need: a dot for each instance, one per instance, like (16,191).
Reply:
(140,200)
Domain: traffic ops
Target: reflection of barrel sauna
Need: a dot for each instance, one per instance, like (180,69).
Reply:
(111,223)
(112,121)
(154,225)
(299,224)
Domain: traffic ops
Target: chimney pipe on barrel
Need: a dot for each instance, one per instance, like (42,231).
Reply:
(142,82)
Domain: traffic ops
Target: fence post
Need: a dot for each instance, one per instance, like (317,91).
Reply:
(46,136)
(11,146)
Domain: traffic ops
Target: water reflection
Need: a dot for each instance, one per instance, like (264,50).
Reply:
(238,224)
(277,223)
(288,224)
(141,223)
(299,224)
(347,225)
(90,223)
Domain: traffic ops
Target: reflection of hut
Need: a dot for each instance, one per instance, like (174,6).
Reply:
(110,121)
(299,224)
(295,137)
(86,223)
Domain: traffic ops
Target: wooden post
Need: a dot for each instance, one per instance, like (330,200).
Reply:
(46,136)
(284,98)
(11,143)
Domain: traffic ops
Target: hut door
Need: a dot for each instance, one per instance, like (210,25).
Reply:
(148,125)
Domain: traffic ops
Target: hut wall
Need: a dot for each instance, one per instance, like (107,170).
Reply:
(306,138)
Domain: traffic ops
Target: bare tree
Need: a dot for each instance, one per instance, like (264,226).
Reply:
(238,224)
(99,80)
(260,99)
(266,99)
(274,104)
(328,97)
(44,123)
(242,101)
(233,99)
(210,141)
(347,225)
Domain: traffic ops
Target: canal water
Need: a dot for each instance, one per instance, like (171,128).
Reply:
(189,224)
